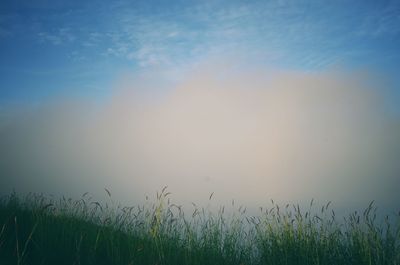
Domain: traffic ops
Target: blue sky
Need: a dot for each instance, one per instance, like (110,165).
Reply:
(80,48)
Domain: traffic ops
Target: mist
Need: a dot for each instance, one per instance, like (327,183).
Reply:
(248,136)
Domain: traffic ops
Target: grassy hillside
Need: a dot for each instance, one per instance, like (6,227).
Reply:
(40,230)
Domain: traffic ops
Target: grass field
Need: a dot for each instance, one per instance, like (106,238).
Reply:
(42,230)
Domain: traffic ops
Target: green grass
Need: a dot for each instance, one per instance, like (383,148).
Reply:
(41,230)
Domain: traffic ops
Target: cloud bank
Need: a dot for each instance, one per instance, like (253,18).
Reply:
(248,136)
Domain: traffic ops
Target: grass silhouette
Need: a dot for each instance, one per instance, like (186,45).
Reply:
(41,230)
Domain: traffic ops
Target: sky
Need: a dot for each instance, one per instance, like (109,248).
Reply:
(80,48)
(286,99)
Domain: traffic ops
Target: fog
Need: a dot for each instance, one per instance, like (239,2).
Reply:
(248,136)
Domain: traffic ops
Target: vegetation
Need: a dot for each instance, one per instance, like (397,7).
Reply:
(42,230)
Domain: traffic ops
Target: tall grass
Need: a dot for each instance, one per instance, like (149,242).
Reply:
(44,230)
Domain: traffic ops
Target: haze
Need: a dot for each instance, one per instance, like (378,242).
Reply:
(250,137)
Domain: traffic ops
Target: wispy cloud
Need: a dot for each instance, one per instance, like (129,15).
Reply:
(304,33)
(197,31)
(141,36)
(380,22)
(58,37)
